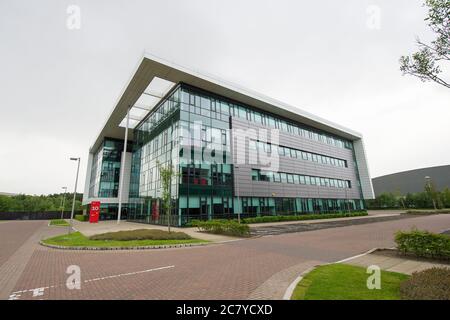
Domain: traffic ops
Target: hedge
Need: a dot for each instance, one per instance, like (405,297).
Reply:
(423,244)
(81,217)
(303,217)
(428,211)
(226,227)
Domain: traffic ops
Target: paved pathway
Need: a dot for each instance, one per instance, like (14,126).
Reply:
(391,262)
(274,288)
(233,270)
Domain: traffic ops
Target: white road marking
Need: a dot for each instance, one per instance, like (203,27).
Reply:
(14,296)
(40,291)
(128,274)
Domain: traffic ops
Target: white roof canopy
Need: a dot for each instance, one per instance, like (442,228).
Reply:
(154,92)
(153,79)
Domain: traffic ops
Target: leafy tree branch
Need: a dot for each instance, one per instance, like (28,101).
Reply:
(424,64)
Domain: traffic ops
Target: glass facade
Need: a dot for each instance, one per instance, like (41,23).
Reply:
(296,153)
(285,177)
(105,175)
(255,206)
(206,179)
(156,143)
(105,172)
(189,130)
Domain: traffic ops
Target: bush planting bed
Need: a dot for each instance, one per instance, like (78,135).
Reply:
(141,234)
(225,227)
(428,211)
(430,284)
(304,217)
(76,239)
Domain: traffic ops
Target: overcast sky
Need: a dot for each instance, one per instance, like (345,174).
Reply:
(336,59)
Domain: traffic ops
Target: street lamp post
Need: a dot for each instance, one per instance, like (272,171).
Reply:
(122,167)
(62,202)
(347,202)
(74,194)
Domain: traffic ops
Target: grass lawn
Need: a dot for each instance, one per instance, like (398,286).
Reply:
(76,239)
(346,282)
(59,223)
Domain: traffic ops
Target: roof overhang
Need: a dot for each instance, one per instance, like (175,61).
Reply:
(151,67)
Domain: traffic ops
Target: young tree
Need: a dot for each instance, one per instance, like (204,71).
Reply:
(445,196)
(431,192)
(167,173)
(424,63)
(6,203)
(400,198)
(388,200)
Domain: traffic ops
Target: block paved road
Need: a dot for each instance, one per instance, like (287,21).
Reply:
(232,270)
(261,230)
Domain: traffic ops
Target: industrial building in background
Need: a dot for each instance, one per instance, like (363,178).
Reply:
(412,181)
(234,151)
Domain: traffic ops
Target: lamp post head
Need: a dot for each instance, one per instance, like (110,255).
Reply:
(74,159)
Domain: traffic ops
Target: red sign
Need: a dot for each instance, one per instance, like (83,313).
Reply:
(94,212)
(155,211)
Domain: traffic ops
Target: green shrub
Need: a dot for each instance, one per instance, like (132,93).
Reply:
(423,244)
(81,217)
(428,211)
(430,284)
(58,222)
(226,227)
(193,223)
(141,234)
(303,217)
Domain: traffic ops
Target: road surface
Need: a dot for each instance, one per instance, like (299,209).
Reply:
(233,270)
